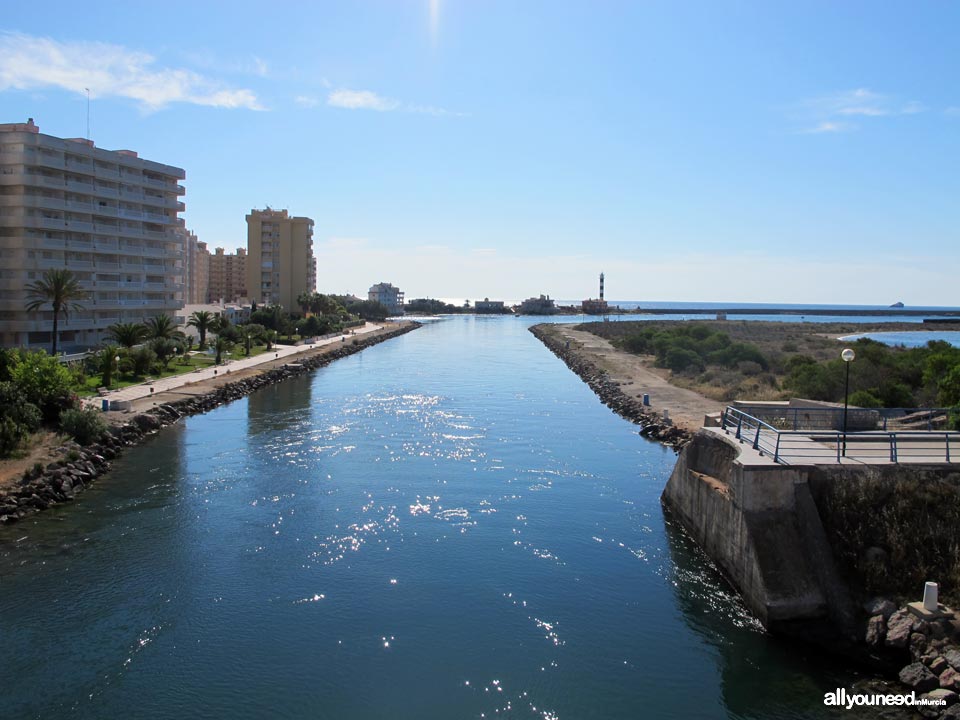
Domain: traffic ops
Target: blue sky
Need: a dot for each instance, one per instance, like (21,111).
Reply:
(740,151)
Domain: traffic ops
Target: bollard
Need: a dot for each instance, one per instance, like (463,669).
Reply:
(646,399)
(930,596)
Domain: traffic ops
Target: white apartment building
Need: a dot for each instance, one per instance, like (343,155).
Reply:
(107,215)
(388,295)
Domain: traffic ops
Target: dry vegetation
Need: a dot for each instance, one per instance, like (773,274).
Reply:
(777,343)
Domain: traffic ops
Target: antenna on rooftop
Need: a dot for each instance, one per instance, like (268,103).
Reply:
(88,112)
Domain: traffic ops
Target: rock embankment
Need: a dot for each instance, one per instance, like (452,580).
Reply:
(931,646)
(60,481)
(609,392)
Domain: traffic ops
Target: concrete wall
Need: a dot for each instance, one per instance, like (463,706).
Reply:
(759,524)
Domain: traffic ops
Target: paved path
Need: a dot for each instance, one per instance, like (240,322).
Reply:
(686,407)
(289,353)
(821,449)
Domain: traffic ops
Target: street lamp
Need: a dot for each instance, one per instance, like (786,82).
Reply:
(116,361)
(847,356)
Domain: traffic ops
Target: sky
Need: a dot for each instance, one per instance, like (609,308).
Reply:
(790,152)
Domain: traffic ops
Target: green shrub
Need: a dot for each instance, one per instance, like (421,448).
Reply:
(44,382)
(866,399)
(85,426)
(141,360)
(679,359)
(19,418)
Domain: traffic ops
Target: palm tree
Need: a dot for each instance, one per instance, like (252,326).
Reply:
(62,290)
(221,345)
(303,300)
(202,320)
(127,334)
(161,326)
(251,332)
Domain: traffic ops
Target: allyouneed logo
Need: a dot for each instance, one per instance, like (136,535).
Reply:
(841,698)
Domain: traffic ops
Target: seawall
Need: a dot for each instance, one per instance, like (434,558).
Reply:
(610,393)
(808,544)
(60,481)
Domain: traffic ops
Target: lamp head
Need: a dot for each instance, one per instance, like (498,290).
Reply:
(848,355)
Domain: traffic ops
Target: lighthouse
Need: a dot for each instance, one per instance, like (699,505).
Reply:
(601,287)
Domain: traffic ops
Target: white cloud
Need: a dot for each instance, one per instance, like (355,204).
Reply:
(28,62)
(828,113)
(260,66)
(368,100)
(829,127)
(360,100)
(307,101)
(953,111)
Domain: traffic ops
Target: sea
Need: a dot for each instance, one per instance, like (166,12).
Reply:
(447,525)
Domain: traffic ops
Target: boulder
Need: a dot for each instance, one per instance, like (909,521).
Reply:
(947,696)
(899,627)
(952,713)
(950,679)
(146,423)
(880,606)
(952,656)
(918,645)
(919,677)
(938,665)
(876,630)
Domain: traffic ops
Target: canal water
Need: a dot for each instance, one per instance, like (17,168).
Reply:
(446,525)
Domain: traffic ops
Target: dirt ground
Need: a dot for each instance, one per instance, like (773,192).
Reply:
(637,376)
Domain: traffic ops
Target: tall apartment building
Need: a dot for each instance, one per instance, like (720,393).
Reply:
(281,265)
(196,270)
(108,215)
(228,276)
(388,295)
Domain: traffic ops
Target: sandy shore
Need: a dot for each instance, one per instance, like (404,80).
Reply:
(636,377)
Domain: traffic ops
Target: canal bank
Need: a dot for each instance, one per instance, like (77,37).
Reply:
(448,525)
(41,487)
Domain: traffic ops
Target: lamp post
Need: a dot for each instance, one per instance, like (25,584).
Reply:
(116,361)
(847,355)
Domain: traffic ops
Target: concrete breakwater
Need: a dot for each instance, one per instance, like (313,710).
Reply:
(610,393)
(814,551)
(60,481)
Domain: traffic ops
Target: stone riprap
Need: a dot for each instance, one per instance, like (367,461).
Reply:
(61,480)
(610,394)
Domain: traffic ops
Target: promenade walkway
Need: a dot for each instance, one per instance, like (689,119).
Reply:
(767,445)
(279,353)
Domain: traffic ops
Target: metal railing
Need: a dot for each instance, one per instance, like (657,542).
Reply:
(789,447)
(858,418)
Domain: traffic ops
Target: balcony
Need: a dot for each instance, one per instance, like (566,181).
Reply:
(106,173)
(79,226)
(106,190)
(81,187)
(84,207)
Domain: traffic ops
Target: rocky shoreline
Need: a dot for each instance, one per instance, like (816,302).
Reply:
(44,487)
(609,392)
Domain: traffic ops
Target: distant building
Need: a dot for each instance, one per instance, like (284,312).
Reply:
(234,312)
(196,270)
(109,216)
(281,266)
(595,307)
(388,295)
(488,306)
(542,305)
(227,278)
